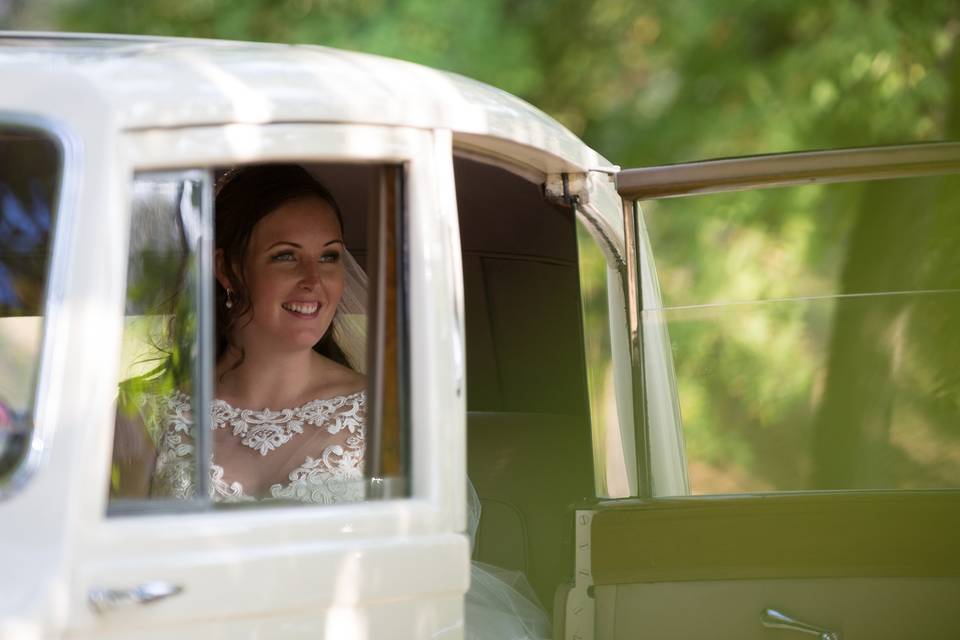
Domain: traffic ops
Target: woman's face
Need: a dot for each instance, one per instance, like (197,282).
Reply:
(294,276)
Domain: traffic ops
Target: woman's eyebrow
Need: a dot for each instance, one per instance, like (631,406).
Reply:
(279,242)
(299,246)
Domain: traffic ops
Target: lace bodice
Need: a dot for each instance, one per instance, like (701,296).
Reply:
(317,449)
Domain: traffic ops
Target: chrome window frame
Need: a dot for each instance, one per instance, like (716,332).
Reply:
(380,486)
(197,221)
(428,505)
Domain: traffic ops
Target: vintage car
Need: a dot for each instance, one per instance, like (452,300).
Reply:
(518,334)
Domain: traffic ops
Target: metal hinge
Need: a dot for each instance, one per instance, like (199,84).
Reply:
(567,188)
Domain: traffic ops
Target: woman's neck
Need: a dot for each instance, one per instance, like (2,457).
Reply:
(261,380)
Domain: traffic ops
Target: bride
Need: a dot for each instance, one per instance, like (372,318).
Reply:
(289,415)
(288,418)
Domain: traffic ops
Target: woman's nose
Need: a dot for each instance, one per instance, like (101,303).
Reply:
(310,275)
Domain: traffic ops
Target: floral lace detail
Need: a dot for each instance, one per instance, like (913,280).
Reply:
(334,476)
(314,482)
(224,492)
(267,430)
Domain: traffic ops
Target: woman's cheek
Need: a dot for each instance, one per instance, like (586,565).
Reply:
(333,284)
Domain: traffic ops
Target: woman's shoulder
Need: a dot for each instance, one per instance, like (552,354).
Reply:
(340,380)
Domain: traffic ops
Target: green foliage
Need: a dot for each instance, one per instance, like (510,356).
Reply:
(644,82)
(666,81)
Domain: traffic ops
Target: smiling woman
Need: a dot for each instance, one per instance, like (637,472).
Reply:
(288,418)
(280,261)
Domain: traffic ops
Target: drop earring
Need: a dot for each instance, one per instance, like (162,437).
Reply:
(229,303)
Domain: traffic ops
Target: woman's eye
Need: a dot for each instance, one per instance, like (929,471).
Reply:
(330,256)
(284,256)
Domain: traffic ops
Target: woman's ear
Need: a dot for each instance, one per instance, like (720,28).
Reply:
(219,270)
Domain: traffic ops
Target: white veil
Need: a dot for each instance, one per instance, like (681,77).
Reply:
(350,321)
(500,604)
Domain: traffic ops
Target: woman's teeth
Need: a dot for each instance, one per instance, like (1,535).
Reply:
(306,308)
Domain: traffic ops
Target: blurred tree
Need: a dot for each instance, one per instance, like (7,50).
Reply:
(906,238)
(644,82)
(665,81)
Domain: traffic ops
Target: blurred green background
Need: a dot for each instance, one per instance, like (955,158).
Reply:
(816,390)
(644,82)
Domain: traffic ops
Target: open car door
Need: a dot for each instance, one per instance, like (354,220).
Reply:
(793,327)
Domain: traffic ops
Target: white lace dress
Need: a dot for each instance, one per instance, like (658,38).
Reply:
(315,452)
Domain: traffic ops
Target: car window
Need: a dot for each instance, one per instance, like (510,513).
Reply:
(30,176)
(811,334)
(160,374)
(604,339)
(184,310)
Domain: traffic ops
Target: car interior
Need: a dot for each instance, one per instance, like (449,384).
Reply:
(529,453)
(528,428)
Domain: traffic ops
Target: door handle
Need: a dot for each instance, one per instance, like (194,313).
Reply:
(773,619)
(103,600)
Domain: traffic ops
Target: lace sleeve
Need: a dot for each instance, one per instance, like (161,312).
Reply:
(174,473)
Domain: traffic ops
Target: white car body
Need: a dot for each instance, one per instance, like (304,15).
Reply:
(396,569)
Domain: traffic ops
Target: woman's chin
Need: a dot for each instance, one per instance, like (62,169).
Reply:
(306,342)
(301,341)
(284,339)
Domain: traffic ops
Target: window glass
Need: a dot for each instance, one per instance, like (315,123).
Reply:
(813,334)
(30,176)
(267,339)
(155,439)
(611,420)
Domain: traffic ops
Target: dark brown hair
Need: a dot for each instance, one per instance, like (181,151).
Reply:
(245,196)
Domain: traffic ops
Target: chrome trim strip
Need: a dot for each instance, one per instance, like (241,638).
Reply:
(402,487)
(587,213)
(206,311)
(125,507)
(634,298)
(61,255)
(785,169)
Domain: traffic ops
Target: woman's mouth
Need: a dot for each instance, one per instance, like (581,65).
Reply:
(302,309)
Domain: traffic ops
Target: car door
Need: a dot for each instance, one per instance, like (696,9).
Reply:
(393,565)
(789,323)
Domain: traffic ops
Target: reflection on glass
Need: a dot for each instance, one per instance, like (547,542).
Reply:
(159,341)
(893,429)
(811,334)
(613,443)
(30,175)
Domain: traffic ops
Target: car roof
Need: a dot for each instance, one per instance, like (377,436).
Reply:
(152,82)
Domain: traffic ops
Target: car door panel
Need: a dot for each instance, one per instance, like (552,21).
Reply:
(853,607)
(379,568)
(837,535)
(302,587)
